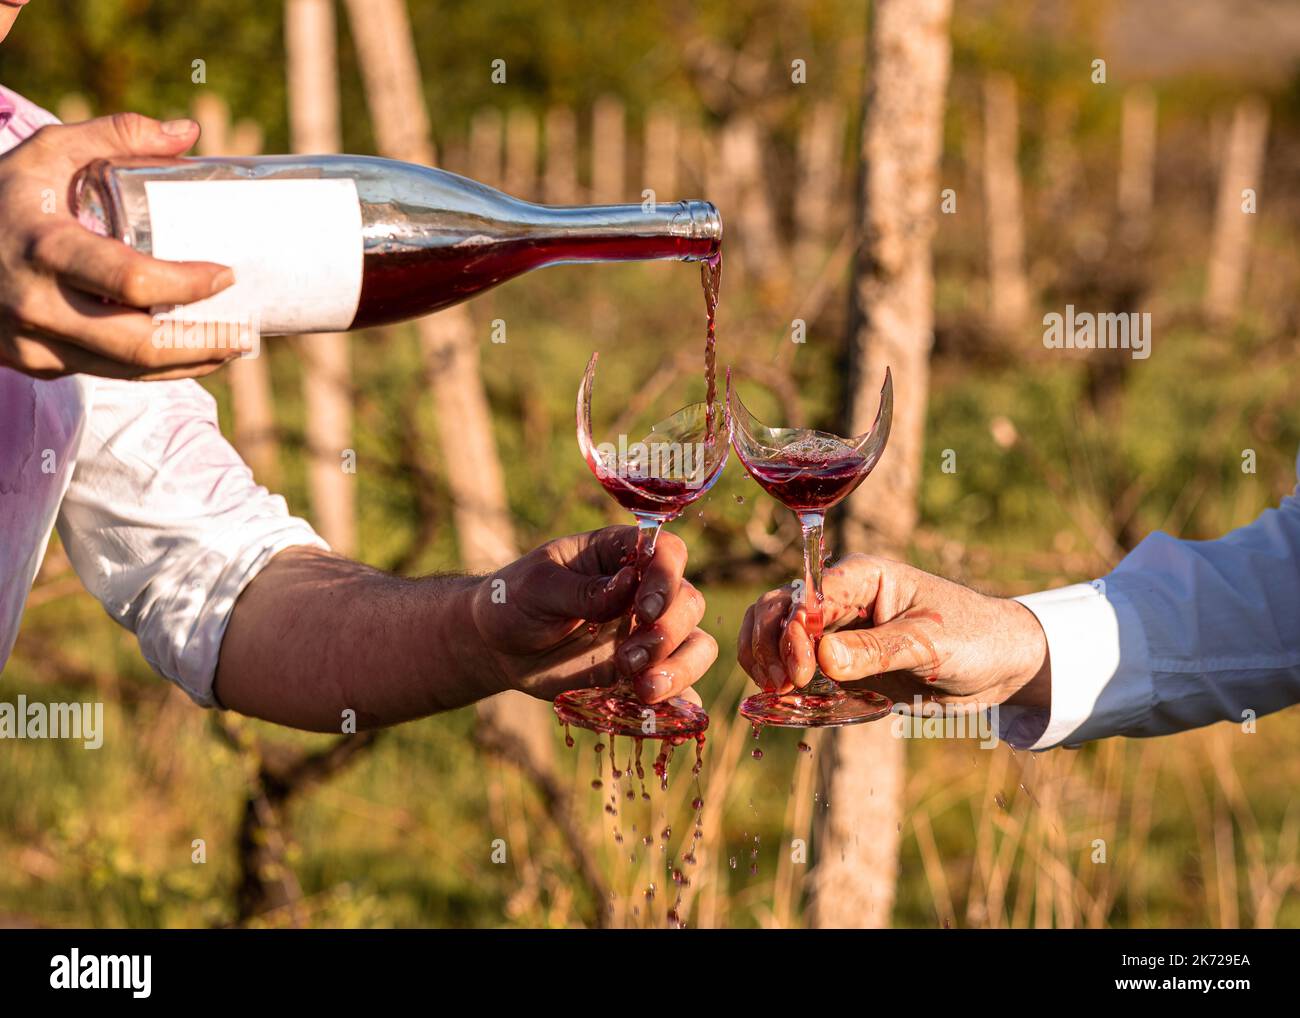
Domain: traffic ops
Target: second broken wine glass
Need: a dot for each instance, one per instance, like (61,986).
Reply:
(809,472)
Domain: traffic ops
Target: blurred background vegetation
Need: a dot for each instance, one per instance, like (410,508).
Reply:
(1060,467)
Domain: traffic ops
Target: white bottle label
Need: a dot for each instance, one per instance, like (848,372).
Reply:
(295,245)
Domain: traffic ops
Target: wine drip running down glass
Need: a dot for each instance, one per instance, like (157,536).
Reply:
(810,472)
(654,479)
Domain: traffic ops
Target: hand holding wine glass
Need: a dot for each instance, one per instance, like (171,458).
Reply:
(810,472)
(549,622)
(903,633)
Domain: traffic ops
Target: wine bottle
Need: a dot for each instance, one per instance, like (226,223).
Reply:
(328,243)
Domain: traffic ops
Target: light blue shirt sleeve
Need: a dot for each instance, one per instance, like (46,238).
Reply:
(1181,634)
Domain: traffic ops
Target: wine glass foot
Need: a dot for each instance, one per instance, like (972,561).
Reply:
(829,708)
(616,710)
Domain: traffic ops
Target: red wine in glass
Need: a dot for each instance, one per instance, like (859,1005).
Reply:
(654,479)
(810,472)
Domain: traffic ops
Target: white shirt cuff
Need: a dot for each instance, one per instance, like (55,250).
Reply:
(1100,680)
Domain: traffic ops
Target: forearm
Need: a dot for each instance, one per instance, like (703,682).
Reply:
(315,635)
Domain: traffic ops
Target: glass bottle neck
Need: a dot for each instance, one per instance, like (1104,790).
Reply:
(686,230)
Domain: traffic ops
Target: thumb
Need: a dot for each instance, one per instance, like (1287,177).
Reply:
(574,595)
(860,653)
(123,134)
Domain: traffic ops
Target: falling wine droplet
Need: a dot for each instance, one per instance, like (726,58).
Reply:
(757,753)
(804,747)
(740,499)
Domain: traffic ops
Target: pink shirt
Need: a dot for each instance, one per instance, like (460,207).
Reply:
(160,517)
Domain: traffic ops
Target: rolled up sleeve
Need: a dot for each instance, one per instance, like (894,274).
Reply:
(165,525)
(1181,634)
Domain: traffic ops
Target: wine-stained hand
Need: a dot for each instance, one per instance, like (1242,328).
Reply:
(314,634)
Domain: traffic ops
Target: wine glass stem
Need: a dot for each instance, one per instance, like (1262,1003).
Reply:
(812,571)
(647,533)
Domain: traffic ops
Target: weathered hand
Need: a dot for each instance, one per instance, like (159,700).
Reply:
(554,619)
(72,301)
(903,632)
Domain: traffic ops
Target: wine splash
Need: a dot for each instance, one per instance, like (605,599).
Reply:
(619,803)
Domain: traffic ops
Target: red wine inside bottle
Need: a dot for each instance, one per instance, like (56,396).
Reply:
(328,243)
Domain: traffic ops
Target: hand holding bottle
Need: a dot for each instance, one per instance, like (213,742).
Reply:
(71,301)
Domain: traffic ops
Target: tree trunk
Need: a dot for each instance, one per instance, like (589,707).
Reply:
(252,401)
(891,324)
(1242,170)
(391,73)
(1137,167)
(1004,217)
(311,41)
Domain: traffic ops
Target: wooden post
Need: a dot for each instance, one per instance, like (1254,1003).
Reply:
(391,74)
(73,108)
(521,153)
(485,146)
(892,322)
(1239,184)
(1059,156)
(660,157)
(311,42)
(1004,220)
(742,158)
(821,149)
(252,401)
(1137,166)
(561,175)
(608,151)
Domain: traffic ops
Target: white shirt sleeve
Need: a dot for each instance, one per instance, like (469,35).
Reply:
(1180,635)
(165,525)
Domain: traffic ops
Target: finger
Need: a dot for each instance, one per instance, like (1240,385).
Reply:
(896,646)
(558,592)
(122,134)
(132,339)
(679,670)
(648,645)
(660,578)
(44,356)
(109,268)
(770,613)
(744,648)
(600,552)
(798,652)
(851,588)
